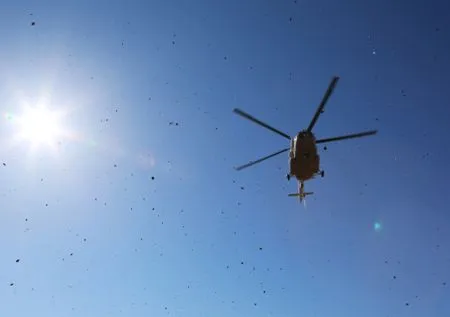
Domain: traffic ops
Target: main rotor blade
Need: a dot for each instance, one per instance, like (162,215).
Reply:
(251,118)
(260,160)
(349,136)
(325,98)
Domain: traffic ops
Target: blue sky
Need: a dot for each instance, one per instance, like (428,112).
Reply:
(132,207)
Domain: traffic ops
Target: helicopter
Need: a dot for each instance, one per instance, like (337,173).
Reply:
(304,160)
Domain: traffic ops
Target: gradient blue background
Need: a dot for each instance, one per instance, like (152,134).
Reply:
(97,236)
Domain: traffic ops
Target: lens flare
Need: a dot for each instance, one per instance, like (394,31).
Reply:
(377,226)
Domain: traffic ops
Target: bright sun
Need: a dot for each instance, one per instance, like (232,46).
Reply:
(39,126)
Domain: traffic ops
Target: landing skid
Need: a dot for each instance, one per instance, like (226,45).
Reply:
(321,174)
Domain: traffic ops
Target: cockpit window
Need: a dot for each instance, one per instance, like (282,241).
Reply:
(293,147)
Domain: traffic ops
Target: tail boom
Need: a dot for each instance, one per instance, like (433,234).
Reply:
(301,193)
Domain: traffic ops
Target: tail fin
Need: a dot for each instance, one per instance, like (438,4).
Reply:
(302,196)
(301,193)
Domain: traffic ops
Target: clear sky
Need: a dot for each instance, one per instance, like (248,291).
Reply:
(118,195)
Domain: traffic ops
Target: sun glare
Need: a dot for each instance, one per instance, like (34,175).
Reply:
(39,126)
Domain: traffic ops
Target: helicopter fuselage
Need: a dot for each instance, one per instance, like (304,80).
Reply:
(304,162)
